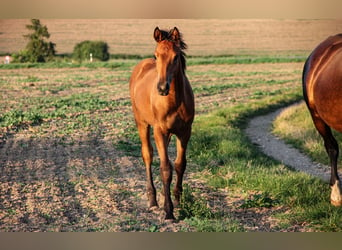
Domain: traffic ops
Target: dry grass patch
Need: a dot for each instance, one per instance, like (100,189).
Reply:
(296,127)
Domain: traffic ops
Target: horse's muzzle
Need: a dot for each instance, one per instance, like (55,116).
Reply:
(163,89)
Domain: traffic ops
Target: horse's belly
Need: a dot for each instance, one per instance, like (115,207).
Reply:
(332,119)
(330,112)
(329,108)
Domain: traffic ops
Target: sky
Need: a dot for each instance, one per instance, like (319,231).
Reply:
(174,9)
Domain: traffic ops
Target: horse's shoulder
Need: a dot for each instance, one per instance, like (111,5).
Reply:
(144,66)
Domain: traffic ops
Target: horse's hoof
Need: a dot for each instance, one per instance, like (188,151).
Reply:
(337,203)
(335,197)
(166,219)
(169,218)
(170,221)
(153,208)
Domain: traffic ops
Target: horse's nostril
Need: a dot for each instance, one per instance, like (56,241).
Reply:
(163,92)
(163,89)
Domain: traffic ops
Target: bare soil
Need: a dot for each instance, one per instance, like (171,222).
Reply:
(45,187)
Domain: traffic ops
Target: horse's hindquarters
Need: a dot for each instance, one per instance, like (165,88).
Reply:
(327,90)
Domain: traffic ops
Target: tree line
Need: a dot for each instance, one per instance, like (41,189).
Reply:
(40,49)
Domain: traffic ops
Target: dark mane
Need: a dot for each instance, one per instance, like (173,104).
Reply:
(167,35)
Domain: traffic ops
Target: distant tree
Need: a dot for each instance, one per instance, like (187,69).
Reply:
(38,49)
(97,49)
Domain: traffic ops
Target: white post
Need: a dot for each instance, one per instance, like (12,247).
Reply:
(7,59)
(91,57)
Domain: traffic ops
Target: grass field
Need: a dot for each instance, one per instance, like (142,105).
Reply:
(70,154)
(296,127)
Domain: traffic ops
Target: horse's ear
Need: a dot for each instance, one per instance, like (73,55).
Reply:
(175,35)
(157,35)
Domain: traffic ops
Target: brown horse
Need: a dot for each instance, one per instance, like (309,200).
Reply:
(322,88)
(162,97)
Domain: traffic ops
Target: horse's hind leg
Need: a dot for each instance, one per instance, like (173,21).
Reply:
(180,166)
(331,147)
(147,155)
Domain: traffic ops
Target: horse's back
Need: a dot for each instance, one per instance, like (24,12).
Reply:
(322,81)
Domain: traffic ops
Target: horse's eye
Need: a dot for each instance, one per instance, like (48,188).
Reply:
(155,58)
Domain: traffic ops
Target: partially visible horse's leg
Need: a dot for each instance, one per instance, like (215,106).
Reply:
(331,146)
(180,165)
(167,146)
(147,155)
(162,141)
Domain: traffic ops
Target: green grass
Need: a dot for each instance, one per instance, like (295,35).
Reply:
(121,62)
(219,145)
(260,200)
(72,106)
(194,210)
(243,60)
(296,127)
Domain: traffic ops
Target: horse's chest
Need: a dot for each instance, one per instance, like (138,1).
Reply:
(174,121)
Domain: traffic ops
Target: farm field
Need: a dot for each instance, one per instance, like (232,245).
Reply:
(205,37)
(70,154)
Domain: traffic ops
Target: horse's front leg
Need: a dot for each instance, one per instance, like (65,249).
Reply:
(161,140)
(147,155)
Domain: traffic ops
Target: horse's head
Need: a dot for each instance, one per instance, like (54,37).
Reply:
(167,55)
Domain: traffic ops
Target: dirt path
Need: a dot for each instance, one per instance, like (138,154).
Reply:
(258,130)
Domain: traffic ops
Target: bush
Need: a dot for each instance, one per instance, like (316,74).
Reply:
(98,49)
(21,57)
(37,48)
